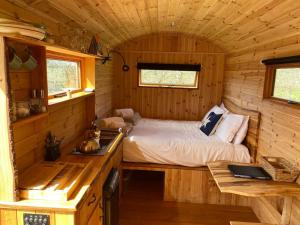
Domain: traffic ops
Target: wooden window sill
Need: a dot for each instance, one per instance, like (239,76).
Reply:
(77,95)
(282,102)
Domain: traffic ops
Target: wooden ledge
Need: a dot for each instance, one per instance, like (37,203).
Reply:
(157,167)
(54,101)
(248,223)
(29,119)
(227,183)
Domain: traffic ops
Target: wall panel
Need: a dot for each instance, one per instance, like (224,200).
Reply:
(169,103)
(280,126)
(66,120)
(104,88)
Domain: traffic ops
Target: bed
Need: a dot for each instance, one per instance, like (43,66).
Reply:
(156,145)
(178,143)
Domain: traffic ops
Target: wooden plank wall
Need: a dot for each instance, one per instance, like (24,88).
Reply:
(280,127)
(169,103)
(104,88)
(66,120)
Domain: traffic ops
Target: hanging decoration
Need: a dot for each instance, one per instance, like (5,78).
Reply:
(95,46)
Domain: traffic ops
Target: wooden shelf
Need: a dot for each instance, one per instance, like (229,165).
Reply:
(48,46)
(54,101)
(30,119)
(227,183)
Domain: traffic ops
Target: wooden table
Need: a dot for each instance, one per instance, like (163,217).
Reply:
(227,183)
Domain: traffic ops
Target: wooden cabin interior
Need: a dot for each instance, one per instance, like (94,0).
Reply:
(143,112)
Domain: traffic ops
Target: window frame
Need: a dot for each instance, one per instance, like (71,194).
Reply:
(196,84)
(57,56)
(270,82)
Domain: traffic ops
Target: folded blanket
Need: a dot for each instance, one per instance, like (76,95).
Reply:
(124,113)
(112,122)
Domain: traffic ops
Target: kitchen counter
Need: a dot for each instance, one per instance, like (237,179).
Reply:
(98,165)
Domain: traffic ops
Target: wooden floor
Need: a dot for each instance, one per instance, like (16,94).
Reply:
(142,204)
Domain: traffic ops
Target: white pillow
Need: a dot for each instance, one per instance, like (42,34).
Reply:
(222,106)
(229,127)
(241,134)
(216,109)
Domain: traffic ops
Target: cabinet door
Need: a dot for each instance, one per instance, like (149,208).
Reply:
(96,218)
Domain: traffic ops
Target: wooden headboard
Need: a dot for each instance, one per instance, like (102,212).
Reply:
(251,140)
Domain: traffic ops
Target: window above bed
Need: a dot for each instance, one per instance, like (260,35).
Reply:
(282,80)
(168,75)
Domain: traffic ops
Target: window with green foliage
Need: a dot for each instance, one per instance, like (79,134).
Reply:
(63,75)
(168,78)
(287,84)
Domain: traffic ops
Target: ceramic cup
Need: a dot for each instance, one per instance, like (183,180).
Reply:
(30,63)
(16,62)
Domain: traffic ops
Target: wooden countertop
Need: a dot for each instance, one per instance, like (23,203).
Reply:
(227,183)
(98,162)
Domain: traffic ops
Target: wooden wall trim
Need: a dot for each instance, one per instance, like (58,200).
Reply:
(8,190)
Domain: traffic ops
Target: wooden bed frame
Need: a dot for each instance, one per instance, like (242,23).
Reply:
(195,184)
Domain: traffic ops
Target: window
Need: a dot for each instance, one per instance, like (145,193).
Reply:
(63,75)
(168,78)
(168,75)
(283,82)
(287,84)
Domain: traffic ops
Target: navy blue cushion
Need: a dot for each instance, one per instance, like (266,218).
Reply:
(210,123)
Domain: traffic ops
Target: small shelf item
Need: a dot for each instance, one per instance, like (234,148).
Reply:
(52,146)
(279,168)
(52,180)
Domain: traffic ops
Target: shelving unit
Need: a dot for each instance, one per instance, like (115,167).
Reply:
(24,80)
(64,117)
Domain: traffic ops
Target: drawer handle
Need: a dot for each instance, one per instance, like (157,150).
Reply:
(93,199)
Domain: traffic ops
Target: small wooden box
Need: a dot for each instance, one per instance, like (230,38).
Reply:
(280,169)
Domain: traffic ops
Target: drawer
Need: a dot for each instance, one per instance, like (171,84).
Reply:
(91,202)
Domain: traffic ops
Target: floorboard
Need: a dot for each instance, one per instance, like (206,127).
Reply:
(142,204)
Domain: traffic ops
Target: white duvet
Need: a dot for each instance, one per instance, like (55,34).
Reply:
(178,143)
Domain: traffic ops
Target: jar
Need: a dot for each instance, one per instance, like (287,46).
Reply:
(23,109)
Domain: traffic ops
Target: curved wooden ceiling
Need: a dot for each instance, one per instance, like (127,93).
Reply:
(231,24)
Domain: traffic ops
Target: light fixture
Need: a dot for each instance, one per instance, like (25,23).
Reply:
(104,59)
